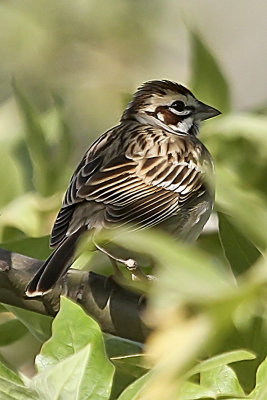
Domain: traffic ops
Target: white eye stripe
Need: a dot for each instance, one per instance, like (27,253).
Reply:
(185,112)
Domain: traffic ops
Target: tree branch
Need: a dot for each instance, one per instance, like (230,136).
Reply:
(117,309)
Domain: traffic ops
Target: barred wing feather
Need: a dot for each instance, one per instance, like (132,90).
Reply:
(140,185)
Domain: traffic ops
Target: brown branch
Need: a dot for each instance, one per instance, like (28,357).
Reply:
(117,309)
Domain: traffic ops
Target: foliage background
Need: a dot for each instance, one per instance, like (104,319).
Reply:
(66,73)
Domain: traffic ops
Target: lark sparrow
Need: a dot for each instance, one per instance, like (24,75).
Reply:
(150,169)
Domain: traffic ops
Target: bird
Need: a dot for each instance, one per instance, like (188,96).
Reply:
(149,170)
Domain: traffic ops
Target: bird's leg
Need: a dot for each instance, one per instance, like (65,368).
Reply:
(115,266)
(131,264)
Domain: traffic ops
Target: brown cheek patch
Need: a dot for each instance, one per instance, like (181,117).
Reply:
(169,117)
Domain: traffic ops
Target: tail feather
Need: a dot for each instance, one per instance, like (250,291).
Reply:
(54,267)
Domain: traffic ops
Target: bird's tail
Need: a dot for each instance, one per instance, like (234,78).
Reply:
(54,267)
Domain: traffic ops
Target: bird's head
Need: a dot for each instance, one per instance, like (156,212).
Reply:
(169,105)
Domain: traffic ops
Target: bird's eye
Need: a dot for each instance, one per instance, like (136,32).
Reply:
(178,105)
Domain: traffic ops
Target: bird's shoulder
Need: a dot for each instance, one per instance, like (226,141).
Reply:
(147,143)
(137,141)
(141,150)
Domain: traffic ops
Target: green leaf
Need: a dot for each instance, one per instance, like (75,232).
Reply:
(72,378)
(233,136)
(9,391)
(39,325)
(210,243)
(39,149)
(260,391)
(192,391)
(2,308)
(122,379)
(10,233)
(23,214)
(222,381)
(233,126)
(21,154)
(208,81)
(49,143)
(126,356)
(31,247)
(128,369)
(248,332)
(132,392)
(119,347)
(9,172)
(220,360)
(11,331)
(12,387)
(9,374)
(73,363)
(235,199)
(65,140)
(132,365)
(239,251)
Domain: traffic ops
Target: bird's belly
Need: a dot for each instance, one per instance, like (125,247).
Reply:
(188,223)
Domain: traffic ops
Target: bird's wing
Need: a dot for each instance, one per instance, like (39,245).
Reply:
(143,182)
(91,162)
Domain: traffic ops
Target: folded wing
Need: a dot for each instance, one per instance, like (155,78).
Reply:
(141,185)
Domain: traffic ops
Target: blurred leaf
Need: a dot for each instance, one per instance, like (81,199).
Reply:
(48,154)
(31,214)
(21,153)
(125,99)
(37,145)
(11,331)
(132,392)
(22,213)
(173,347)
(39,325)
(246,206)
(220,360)
(239,251)
(65,140)
(12,387)
(238,142)
(210,243)
(208,81)
(2,308)
(232,126)
(222,381)
(73,362)
(10,233)
(31,247)
(11,180)
(185,273)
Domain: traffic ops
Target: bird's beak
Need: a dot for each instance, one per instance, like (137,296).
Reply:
(203,111)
